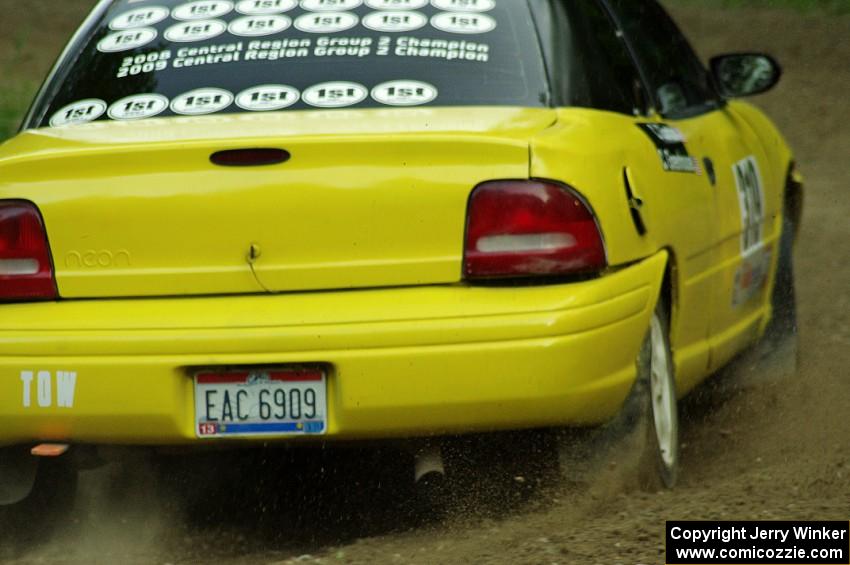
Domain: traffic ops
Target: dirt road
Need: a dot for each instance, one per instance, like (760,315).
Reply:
(775,450)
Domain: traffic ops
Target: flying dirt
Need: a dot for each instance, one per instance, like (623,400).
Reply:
(758,442)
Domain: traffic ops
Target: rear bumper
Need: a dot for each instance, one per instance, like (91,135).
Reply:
(404,362)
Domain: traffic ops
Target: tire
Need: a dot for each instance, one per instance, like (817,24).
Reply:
(656,390)
(640,447)
(782,329)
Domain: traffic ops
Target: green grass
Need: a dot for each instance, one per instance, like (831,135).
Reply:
(15,98)
(16,92)
(823,6)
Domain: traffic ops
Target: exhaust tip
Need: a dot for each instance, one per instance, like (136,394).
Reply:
(428,466)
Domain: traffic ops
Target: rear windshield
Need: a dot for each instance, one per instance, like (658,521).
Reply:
(171,57)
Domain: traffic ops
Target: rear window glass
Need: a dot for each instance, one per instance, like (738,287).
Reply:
(170,57)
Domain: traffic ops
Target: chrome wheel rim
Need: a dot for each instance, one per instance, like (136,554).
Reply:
(662,393)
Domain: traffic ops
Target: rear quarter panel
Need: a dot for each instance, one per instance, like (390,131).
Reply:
(587,150)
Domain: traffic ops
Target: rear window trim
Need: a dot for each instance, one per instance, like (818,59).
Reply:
(69,56)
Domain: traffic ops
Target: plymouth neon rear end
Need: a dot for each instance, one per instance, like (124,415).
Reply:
(208,231)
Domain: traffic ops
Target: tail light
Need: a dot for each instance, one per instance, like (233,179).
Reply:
(26,272)
(530,228)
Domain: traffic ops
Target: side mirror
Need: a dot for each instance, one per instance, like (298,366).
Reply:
(745,74)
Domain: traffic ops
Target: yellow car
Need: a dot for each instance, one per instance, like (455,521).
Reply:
(242,222)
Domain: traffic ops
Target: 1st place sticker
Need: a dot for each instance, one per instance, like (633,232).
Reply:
(267,98)
(202,10)
(265,7)
(202,101)
(79,112)
(328,22)
(141,17)
(126,40)
(330,5)
(395,21)
(335,94)
(138,107)
(464,5)
(396,4)
(404,93)
(256,26)
(457,22)
(185,32)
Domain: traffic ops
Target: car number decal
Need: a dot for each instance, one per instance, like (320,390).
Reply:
(752,275)
(751,200)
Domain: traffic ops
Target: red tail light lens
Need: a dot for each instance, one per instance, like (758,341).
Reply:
(26,272)
(530,228)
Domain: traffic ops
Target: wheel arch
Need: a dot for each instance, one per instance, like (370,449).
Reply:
(794,198)
(669,290)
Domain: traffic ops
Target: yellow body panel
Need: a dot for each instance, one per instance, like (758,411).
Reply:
(698,221)
(361,243)
(403,362)
(139,210)
(734,326)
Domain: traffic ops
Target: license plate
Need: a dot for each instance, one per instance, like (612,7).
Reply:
(278,402)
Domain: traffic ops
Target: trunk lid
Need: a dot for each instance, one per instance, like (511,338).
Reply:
(369,198)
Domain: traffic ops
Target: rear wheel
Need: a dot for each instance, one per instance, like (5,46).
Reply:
(660,457)
(642,444)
